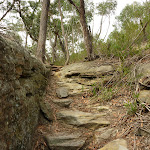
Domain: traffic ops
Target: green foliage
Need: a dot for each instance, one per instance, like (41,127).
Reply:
(131,107)
(119,44)
(125,36)
(106,8)
(77,57)
(30,14)
(32,49)
(15,37)
(123,70)
(60,61)
(107,94)
(103,93)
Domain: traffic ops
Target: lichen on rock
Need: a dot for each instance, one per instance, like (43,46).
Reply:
(23,80)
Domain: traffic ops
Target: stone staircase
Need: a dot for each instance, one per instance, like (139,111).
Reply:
(81,123)
(84,127)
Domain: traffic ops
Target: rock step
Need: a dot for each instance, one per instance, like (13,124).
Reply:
(119,144)
(62,92)
(79,118)
(63,102)
(104,134)
(79,77)
(63,141)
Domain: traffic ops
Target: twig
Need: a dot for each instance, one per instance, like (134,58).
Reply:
(145,130)
(127,131)
(147,107)
(134,143)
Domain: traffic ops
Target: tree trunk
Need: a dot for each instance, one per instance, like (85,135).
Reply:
(43,29)
(62,46)
(63,33)
(100,30)
(73,32)
(144,30)
(53,45)
(86,33)
(26,41)
(107,28)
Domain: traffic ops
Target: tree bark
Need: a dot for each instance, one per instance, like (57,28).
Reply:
(100,30)
(53,45)
(144,30)
(62,46)
(26,41)
(107,28)
(63,32)
(43,29)
(86,33)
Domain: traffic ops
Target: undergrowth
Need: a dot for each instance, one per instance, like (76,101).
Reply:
(123,82)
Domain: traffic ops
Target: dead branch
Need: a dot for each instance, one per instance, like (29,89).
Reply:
(138,34)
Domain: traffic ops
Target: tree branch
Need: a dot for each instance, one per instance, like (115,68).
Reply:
(138,34)
(12,5)
(72,3)
(2,2)
(26,27)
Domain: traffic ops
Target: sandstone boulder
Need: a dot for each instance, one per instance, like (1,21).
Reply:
(119,144)
(79,118)
(79,77)
(144,72)
(106,134)
(23,80)
(144,96)
(62,92)
(63,102)
(65,141)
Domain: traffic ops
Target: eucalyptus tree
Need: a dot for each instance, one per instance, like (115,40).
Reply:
(71,24)
(135,17)
(63,32)
(55,31)
(80,9)
(43,30)
(10,7)
(132,27)
(105,9)
(29,12)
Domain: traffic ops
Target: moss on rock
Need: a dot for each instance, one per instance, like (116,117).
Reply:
(23,80)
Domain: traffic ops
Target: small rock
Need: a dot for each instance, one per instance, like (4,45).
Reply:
(144,96)
(47,110)
(102,108)
(64,141)
(119,144)
(79,118)
(101,129)
(105,135)
(142,132)
(63,102)
(62,92)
